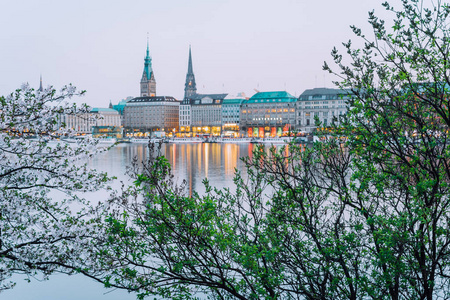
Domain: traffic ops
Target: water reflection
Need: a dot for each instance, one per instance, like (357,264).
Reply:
(190,162)
(195,162)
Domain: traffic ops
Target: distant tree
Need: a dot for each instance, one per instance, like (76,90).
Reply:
(363,214)
(41,230)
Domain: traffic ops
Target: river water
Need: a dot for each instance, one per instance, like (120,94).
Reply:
(192,162)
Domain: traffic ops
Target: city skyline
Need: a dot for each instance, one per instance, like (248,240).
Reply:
(236,46)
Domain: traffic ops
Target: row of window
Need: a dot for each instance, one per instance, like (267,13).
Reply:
(319,113)
(244,111)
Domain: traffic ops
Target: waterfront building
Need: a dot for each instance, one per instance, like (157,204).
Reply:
(143,115)
(185,117)
(107,132)
(84,123)
(200,114)
(190,89)
(206,114)
(148,83)
(325,103)
(268,114)
(120,107)
(230,116)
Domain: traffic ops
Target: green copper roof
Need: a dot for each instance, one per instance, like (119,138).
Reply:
(271,97)
(119,107)
(148,64)
(101,109)
(232,101)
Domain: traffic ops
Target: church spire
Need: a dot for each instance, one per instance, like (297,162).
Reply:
(190,88)
(190,70)
(40,85)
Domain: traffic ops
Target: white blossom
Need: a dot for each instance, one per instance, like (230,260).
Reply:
(38,234)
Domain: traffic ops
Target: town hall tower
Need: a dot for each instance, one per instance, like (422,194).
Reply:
(148,83)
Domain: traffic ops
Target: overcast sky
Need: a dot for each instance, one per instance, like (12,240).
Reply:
(237,45)
(99,46)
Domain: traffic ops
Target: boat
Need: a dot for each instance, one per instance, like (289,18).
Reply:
(124,141)
(156,140)
(213,140)
(235,140)
(184,140)
(276,140)
(106,141)
(139,140)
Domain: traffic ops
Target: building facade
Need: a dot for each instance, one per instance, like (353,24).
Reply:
(230,116)
(206,114)
(324,103)
(149,114)
(200,114)
(148,83)
(120,107)
(84,123)
(185,117)
(268,114)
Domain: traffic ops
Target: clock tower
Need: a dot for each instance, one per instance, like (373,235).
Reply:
(148,83)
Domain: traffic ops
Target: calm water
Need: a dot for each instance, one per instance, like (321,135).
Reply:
(192,162)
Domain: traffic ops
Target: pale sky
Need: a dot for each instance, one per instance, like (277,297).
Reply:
(237,45)
(99,46)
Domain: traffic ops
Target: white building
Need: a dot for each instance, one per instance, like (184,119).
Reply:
(185,116)
(83,123)
(324,103)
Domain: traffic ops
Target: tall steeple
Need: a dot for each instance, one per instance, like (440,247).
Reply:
(148,83)
(40,85)
(148,64)
(190,88)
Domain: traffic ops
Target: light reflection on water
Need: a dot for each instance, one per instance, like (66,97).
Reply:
(190,162)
